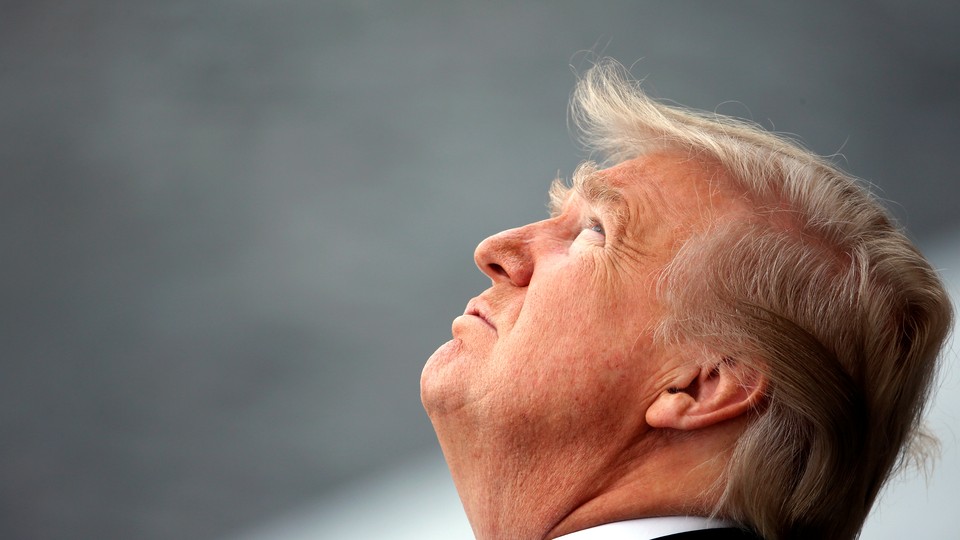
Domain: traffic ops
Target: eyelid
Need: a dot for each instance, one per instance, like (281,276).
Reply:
(596,222)
(590,227)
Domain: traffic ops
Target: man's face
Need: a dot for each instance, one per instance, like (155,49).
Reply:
(559,350)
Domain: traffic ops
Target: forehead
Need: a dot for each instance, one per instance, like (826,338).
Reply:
(667,185)
(681,178)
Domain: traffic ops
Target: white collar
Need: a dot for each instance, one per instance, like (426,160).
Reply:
(645,529)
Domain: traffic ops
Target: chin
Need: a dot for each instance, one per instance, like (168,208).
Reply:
(442,378)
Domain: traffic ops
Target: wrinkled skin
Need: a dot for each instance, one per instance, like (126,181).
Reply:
(540,400)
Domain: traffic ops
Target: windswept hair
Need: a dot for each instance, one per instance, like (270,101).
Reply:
(818,290)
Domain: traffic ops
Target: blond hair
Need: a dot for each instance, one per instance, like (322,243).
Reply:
(819,290)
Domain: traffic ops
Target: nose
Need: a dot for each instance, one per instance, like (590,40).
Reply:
(507,256)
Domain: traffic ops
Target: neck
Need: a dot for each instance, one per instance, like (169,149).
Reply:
(676,479)
(551,493)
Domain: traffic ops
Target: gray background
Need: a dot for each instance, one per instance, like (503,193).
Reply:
(232,231)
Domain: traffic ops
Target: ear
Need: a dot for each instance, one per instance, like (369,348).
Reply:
(704,395)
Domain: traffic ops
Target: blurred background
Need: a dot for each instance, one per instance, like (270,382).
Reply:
(231,232)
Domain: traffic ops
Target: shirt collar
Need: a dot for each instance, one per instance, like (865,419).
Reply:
(646,529)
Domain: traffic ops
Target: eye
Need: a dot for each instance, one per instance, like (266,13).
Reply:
(592,232)
(595,226)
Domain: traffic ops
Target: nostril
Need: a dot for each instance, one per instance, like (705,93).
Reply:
(505,257)
(497,269)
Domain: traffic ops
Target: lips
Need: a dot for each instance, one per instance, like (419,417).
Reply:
(477,308)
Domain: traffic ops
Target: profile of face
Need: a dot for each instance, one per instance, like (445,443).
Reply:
(557,358)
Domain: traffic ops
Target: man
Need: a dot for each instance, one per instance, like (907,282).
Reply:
(719,335)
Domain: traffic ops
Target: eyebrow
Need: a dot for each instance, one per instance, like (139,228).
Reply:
(592,186)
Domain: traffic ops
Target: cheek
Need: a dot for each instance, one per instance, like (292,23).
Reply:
(579,395)
(568,356)
(586,315)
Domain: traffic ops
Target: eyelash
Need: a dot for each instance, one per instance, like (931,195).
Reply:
(596,226)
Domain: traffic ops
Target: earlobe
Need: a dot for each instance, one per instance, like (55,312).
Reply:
(709,395)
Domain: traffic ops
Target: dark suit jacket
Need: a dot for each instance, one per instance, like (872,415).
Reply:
(713,534)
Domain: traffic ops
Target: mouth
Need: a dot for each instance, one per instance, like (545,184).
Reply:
(475,309)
